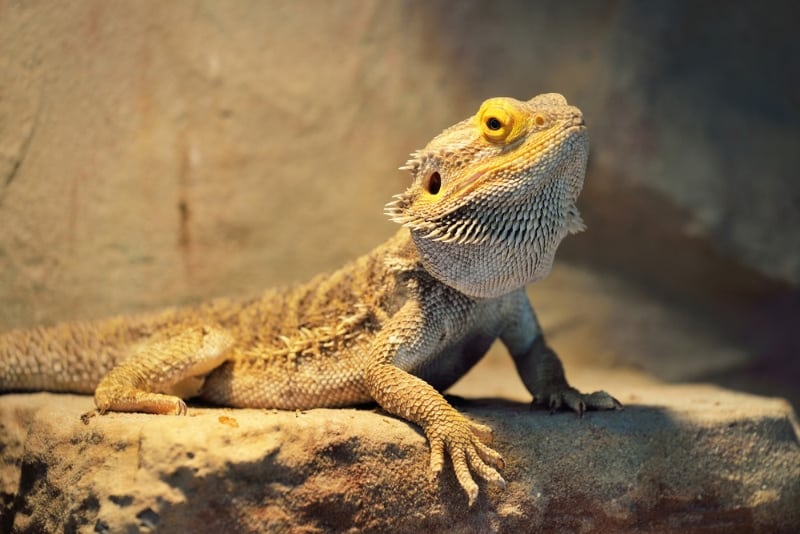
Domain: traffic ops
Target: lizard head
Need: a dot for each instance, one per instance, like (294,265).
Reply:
(493,196)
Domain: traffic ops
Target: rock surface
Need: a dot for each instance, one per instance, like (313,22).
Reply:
(689,458)
(220,145)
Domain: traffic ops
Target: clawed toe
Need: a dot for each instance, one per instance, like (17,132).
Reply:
(484,433)
(600,400)
(575,401)
(579,402)
(475,458)
(466,444)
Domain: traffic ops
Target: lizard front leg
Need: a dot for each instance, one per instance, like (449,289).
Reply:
(540,368)
(413,399)
(159,372)
(543,374)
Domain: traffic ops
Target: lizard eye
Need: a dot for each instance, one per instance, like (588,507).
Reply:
(434,183)
(501,121)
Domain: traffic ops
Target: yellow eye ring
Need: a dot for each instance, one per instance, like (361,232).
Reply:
(496,122)
(499,121)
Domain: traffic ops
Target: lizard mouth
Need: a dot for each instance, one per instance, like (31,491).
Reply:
(577,126)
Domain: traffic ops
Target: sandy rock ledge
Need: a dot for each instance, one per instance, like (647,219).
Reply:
(689,458)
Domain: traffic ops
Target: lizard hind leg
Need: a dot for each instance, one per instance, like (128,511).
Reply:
(159,374)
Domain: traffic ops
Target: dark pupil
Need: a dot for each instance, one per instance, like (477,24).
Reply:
(493,123)
(434,183)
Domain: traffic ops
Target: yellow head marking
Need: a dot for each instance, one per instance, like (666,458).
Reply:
(501,121)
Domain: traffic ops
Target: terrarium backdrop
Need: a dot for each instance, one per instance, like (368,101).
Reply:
(156,153)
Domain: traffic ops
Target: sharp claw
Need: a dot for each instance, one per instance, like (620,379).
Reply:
(501,482)
(554,404)
(437,458)
(433,476)
(473,496)
(600,400)
(581,409)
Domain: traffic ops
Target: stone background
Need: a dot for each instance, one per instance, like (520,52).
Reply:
(154,153)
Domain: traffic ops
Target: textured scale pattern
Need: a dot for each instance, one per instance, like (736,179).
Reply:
(490,200)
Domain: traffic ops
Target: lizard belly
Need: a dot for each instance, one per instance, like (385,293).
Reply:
(301,384)
(443,368)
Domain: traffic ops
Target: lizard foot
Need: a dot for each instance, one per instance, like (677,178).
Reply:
(136,401)
(123,399)
(576,401)
(467,445)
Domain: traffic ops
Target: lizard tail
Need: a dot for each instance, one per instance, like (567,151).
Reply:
(69,357)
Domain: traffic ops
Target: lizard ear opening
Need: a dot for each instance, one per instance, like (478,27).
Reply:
(433,183)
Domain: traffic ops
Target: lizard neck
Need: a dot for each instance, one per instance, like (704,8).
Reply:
(518,245)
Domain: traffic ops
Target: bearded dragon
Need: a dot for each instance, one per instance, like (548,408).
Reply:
(490,200)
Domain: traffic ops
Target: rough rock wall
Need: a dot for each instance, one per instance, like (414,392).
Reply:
(154,153)
(158,152)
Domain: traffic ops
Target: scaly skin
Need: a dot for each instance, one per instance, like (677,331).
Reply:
(491,199)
